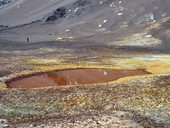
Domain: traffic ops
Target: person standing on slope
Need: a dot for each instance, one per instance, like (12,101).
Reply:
(28,40)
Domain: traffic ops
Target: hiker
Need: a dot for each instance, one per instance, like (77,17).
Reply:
(28,40)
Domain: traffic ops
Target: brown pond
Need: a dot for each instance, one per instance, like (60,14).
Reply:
(71,77)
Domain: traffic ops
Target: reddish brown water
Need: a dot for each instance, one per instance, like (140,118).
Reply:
(71,77)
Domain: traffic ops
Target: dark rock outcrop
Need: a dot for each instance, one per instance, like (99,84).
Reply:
(58,13)
(3,2)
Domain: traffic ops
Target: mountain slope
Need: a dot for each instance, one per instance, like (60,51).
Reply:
(126,23)
(133,11)
(26,11)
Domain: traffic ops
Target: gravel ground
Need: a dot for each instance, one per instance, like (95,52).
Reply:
(134,103)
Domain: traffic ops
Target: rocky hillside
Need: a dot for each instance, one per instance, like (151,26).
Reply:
(114,13)
(4,2)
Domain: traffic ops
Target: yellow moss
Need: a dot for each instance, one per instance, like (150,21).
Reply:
(44,61)
(2,86)
(156,64)
(58,63)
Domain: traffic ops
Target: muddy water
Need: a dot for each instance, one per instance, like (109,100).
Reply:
(71,77)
